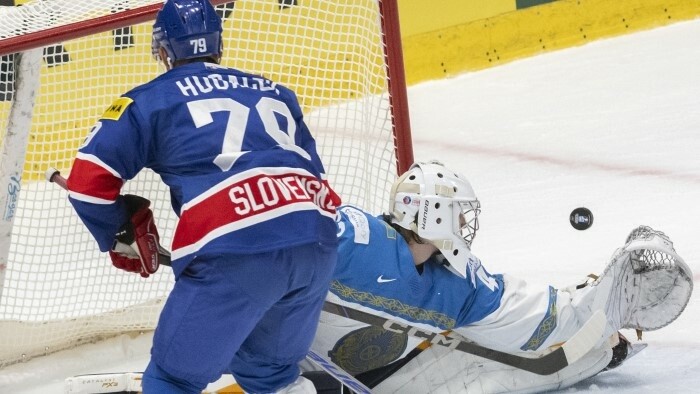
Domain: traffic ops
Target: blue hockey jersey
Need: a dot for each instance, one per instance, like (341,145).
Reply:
(376,270)
(242,167)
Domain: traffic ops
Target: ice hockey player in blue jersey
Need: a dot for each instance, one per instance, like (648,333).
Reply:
(414,264)
(255,244)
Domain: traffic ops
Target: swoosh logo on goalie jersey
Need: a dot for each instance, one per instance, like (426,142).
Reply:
(381,279)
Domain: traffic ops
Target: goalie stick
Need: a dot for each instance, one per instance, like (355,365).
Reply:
(573,349)
(569,352)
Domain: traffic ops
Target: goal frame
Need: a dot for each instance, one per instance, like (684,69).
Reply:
(27,49)
(393,53)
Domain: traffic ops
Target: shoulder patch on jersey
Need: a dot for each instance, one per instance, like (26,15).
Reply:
(359,222)
(390,231)
(115,111)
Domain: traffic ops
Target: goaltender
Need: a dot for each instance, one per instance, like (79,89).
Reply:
(414,264)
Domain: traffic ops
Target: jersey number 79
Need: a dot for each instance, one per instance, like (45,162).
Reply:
(236,125)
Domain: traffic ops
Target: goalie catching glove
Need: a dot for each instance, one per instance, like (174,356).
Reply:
(646,285)
(137,244)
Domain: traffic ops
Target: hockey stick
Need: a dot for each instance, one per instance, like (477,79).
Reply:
(54,176)
(573,349)
(338,373)
(130,382)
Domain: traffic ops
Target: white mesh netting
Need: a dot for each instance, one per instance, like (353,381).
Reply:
(59,290)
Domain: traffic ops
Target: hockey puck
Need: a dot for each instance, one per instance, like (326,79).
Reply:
(581,218)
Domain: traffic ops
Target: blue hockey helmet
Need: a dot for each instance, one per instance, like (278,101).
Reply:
(187,29)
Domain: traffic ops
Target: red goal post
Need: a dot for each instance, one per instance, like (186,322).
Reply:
(62,62)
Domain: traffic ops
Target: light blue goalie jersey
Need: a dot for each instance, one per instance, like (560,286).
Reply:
(376,270)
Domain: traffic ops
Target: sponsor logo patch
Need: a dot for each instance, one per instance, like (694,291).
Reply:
(360,223)
(115,111)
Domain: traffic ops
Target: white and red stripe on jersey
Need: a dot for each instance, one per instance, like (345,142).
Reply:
(95,182)
(249,198)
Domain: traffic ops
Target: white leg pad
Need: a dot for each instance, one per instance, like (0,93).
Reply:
(441,371)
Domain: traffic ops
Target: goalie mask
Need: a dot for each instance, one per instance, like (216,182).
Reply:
(439,206)
(187,29)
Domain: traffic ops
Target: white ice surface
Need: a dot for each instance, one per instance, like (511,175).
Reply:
(613,125)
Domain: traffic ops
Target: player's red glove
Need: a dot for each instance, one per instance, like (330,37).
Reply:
(137,244)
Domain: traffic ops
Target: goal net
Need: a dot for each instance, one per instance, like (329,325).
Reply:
(63,62)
